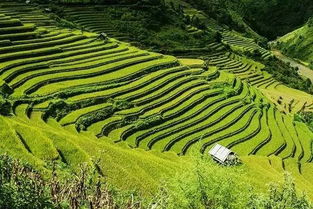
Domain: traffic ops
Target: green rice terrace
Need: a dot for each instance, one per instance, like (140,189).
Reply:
(70,94)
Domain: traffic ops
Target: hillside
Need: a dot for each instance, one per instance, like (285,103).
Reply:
(257,19)
(299,43)
(274,18)
(140,117)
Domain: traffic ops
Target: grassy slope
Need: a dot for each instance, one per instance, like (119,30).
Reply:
(124,167)
(273,18)
(131,169)
(299,43)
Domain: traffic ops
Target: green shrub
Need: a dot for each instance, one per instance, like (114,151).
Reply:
(22,187)
(287,75)
(311,65)
(5,106)
(280,196)
(57,109)
(305,117)
(247,100)
(202,184)
(208,185)
(5,89)
(310,22)
(146,123)
(120,104)
(86,120)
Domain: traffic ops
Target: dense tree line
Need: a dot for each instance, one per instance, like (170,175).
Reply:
(272,18)
(158,27)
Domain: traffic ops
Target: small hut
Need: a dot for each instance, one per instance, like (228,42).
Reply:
(223,155)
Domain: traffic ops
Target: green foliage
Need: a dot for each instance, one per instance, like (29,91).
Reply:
(229,92)
(89,118)
(5,89)
(202,184)
(22,187)
(255,54)
(310,22)
(287,75)
(284,196)
(5,106)
(208,186)
(305,117)
(119,104)
(311,65)
(146,123)
(64,23)
(272,18)
(156,27)
(247,100)
(57,109)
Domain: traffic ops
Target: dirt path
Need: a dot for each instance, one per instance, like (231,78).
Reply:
(303,70)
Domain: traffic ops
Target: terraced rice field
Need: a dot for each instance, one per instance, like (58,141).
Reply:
(287,100)
(100,22)
(244,44)
(97,20)
(112,91)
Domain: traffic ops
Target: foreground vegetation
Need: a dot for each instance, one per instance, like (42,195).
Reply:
(298,43)
(204,186)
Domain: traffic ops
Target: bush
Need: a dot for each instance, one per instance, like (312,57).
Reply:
(5,106)
(147,122)
(57,109)
(287,75)
(305,117)
(202,184)
(86,120)
(311,65)
(284,196)
(310,22)
(22,187)
(207,185)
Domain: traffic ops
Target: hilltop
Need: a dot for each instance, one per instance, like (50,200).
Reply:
(299,43)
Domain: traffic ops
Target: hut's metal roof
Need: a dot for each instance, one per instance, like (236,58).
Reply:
(220,152)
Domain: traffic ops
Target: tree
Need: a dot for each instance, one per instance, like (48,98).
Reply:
(218,37)
(310,22)
(5,106)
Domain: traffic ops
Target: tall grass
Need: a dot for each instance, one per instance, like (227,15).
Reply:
(204,184)
(22,187)
(208,185)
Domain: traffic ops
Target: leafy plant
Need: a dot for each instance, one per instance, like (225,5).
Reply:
(22,187)
(5,106)
(280,196)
